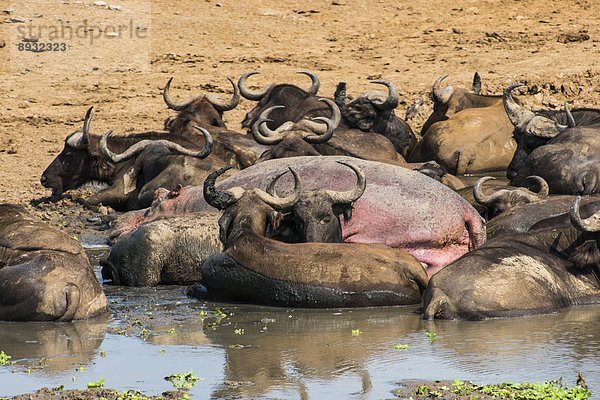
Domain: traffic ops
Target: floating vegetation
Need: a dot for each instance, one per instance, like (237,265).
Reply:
(356,332)
(5,359)
(96,384)
(183,381)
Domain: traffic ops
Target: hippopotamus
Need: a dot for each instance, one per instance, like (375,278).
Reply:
(44,274)
(400,208)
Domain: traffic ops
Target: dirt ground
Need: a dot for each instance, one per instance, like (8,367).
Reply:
(553,46)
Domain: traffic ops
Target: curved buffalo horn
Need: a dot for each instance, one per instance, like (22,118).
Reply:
(350,196)
(261,132)
(220,199)
(247,93)
(391,101)
(143,144)
(525,120)
(519,116)
(222,106)
(283,203)
(476,86)
(591,224)
(314,87)
(544,190)
(441,95)
(271,186)
(481,197)
(323,134)
(78,142)
(570,120)
(169,101)
(85,138)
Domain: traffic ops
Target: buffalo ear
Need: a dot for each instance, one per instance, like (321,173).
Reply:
(344,209)
(224,223)
(586,256)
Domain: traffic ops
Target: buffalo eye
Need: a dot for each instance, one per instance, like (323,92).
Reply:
(326,220)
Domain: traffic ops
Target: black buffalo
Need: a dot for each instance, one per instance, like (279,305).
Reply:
(560,146)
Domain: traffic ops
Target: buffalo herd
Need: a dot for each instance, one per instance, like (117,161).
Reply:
(327,202)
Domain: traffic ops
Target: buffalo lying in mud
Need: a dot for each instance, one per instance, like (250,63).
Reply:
(400,208)
(474,139)
(374,112)
(524,217)
(164,252)
(299,103)
(531,273)
(153,164)
(310,138)
(44,274)
(81,161)
(257,269)
(560,146)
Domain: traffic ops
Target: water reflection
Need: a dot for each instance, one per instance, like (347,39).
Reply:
(52,348)
(245,351)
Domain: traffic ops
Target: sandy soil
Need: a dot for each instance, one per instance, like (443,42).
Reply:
(200,43)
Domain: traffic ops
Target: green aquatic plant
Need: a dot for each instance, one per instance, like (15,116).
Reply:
(183,381)
(132,395)
(401,346)
(431,336)
(239,331)
(172,331)
(58,388)
(514,391)
(96,384)
(356,332)
(5,359)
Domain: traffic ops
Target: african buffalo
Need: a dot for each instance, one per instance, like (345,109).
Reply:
(448,101)
(153,164)
(164,252)
(299,103)
(206,111)
(492,200)
(471,140)
(309,138)
(561,147)
(531,273)
(265,271)
(400,208)
(315,216)
(44,274)
(81,161)
(374,112)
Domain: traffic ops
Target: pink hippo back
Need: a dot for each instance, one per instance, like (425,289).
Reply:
(400,207)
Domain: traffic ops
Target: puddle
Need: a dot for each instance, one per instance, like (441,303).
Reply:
(261,352)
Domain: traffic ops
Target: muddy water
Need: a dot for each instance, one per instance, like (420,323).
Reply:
(260,352)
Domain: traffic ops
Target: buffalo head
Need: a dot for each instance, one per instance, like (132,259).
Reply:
(315,217)
(531,130)
(505,199)
(203,110)
(78,162)
(253,209)
(374,112)
(295,139)
(299,103)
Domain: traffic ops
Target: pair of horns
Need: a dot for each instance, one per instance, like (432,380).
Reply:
(140,146)
(489,200)
(314,132)
(259,94)
(346,197)
(442,95)
(221,199)
(212,99)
